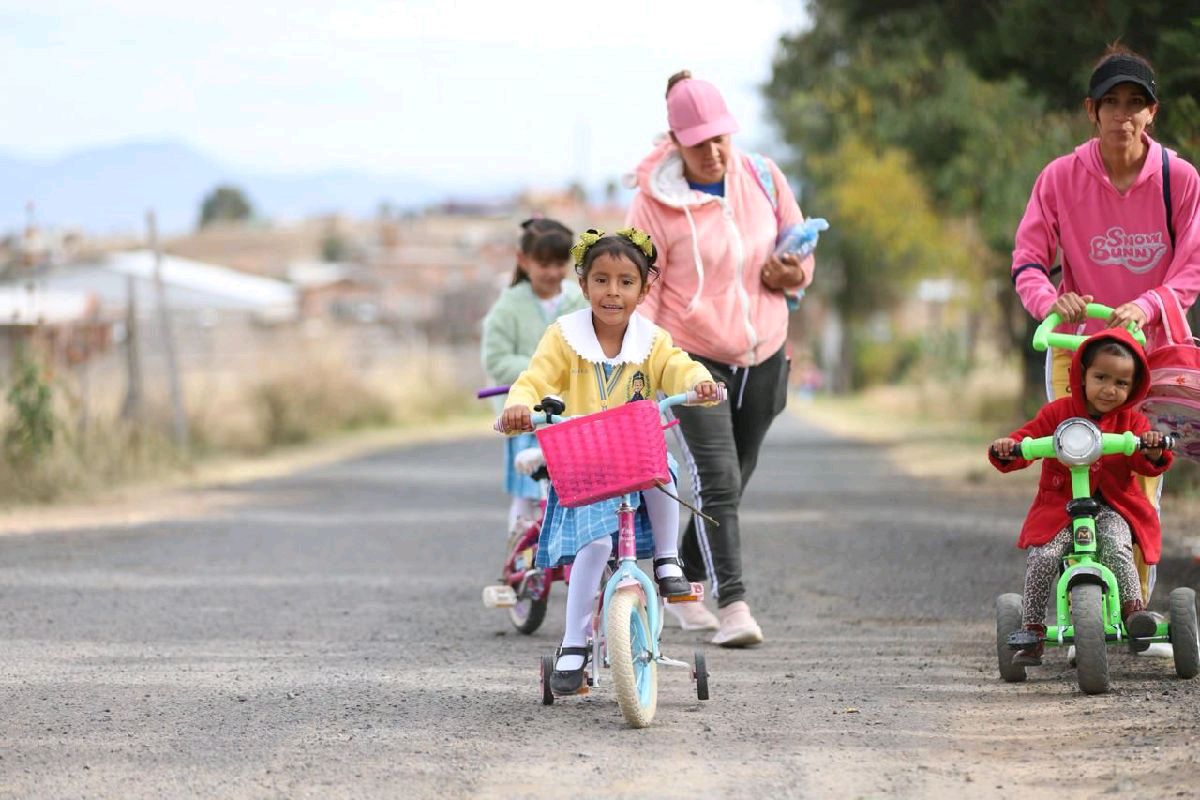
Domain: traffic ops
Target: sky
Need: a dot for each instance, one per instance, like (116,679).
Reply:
(457,93)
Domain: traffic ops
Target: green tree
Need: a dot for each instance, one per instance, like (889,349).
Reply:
(225,204)
(979,96)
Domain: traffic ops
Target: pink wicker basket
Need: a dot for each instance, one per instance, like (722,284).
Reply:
(607,454)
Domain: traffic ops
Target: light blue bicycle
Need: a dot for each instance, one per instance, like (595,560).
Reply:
(628,622)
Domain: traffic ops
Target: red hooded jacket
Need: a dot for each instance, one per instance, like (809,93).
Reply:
(1112,475)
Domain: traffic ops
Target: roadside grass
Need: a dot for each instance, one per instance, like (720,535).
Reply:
(306,400)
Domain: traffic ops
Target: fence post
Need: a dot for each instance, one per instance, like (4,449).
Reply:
(179,428)
(131,409)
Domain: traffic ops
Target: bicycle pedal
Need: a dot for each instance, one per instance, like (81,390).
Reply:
(696,595)
(499,596)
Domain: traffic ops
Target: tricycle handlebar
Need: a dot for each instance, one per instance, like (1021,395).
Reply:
(1126,443)
(1045,335)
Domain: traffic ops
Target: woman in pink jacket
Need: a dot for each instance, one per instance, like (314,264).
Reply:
(1122,210)
(714,214)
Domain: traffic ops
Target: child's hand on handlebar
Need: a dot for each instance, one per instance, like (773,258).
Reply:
(1073,307)
(514,419)
(1152,445)
(1005,449)
(707,391)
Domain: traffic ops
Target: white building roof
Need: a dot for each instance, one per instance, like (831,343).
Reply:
(190,286)
(31,305)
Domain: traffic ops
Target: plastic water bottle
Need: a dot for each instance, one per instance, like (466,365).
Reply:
(800,239)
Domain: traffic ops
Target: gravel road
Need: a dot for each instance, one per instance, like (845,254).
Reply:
(321,635)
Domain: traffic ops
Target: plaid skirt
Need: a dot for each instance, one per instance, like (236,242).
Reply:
(516,484)
(565,531)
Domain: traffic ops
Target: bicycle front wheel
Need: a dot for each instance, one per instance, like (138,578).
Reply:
(631,653)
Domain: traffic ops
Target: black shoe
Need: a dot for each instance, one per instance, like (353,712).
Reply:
(674,585)
(569,681)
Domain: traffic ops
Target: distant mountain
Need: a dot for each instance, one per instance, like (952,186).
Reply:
(108,189)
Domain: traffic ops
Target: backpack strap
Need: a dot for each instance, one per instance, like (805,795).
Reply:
(766,181)
(1167,196)
(761,171)
(1174,321)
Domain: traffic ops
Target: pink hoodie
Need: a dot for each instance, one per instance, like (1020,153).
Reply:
(1114,246)
(710,296)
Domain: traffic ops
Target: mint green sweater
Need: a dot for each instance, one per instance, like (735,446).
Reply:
(514,326)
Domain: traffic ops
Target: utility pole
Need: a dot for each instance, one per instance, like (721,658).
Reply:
(179,419)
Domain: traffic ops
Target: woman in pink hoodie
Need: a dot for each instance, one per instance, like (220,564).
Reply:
(1122,210)
(714,214)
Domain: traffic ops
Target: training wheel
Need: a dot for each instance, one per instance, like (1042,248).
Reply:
(700,675)
(547,667)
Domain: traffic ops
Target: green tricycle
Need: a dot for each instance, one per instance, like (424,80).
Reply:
(1088,603)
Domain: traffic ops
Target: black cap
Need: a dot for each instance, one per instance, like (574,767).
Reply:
(1122,69)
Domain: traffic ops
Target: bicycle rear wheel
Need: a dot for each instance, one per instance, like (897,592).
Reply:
(631,653)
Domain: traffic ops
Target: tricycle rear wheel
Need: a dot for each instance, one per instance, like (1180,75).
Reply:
(1008,621)
(1183,631)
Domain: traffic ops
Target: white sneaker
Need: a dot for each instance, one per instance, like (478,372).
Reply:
(693,616)
(1159,650)
(738,627)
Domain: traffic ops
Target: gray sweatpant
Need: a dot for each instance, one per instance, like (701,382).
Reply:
(721,445)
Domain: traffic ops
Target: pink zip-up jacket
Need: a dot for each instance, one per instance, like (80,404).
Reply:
(710,296)
(1114,246)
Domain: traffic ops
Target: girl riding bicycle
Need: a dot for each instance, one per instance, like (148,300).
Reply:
(595,359)
(539,294)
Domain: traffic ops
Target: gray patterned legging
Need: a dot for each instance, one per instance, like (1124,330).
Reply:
(1115,546)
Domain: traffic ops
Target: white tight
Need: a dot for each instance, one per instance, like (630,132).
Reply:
(588,569)
(521,507)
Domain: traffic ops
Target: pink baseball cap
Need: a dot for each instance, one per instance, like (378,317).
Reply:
(697,112)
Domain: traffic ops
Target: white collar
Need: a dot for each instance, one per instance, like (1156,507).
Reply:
(580,336)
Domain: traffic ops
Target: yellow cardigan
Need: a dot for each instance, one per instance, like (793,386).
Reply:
(569,363)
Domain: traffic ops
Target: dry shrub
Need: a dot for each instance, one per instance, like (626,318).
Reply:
(296,397)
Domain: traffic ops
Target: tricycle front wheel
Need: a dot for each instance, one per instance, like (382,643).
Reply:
(1091,651)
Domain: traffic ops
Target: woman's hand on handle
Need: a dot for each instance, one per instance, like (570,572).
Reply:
(1125,314)
(1072,307)
(515,419)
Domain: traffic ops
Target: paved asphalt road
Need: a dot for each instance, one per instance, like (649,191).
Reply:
(321,635)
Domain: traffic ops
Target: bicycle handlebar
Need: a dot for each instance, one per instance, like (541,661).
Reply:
(1045,336)
(491,391)
(689,398)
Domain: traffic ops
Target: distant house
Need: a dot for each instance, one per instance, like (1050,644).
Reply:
(215,313)
(338,291)
(191,287)
(64,324)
